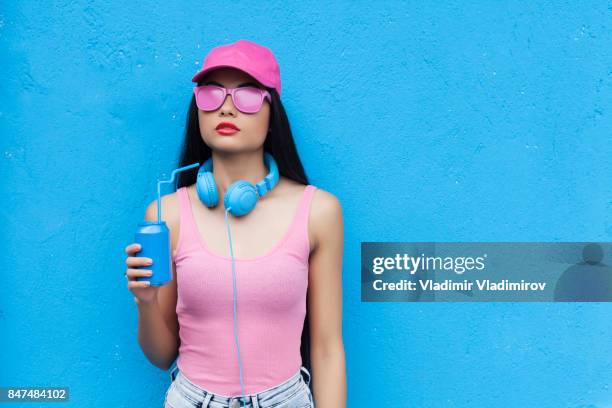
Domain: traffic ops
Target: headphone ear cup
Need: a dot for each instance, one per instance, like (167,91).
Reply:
(241,198)
(207,189)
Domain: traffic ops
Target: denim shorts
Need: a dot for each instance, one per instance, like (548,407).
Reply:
(292,393)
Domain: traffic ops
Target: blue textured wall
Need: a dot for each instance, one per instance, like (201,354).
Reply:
(479,122)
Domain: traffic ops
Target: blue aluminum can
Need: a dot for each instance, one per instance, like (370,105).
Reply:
(154,240)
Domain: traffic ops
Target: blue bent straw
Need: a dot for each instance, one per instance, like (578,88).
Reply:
(169,181)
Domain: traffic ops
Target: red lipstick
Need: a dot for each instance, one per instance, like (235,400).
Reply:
(227,128)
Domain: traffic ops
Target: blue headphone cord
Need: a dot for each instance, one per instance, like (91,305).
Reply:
(229,234)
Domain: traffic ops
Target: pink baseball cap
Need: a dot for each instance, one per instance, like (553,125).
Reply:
(252,58)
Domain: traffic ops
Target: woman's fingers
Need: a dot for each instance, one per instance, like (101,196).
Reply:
(132,261)
(132,249)
(138,273)
(133,284)
(142,289)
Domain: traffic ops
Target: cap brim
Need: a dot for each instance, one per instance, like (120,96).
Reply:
(201,74)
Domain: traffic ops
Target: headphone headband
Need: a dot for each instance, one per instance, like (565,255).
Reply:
(240,195)
(271,180)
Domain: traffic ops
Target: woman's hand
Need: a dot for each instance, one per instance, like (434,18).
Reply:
(141,289)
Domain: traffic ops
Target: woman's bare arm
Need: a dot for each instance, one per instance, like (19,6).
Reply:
(325,302)
(157,320)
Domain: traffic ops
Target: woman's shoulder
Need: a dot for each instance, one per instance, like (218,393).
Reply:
(325,206)
(169,209)
(325,219)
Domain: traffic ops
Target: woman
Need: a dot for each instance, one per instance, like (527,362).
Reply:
(285,256)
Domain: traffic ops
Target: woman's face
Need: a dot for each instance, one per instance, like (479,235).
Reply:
(253,126)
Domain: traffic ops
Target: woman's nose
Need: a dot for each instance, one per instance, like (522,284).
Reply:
(228,106)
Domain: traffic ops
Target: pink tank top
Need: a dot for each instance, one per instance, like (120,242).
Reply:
(271,307)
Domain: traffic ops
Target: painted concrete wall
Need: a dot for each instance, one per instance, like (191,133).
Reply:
(455,122)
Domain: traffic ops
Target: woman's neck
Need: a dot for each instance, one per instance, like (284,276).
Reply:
(230,167)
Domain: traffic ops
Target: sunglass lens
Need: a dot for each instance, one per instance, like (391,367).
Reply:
(209,98)
(248,99)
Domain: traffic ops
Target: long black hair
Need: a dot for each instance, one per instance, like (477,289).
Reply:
(279,143)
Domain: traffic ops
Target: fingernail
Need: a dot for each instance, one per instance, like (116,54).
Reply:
(149,273)
(149,262)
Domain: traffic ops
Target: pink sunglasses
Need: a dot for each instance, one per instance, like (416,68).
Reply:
(247,99)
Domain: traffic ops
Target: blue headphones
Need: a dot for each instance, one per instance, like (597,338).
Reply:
(241,196)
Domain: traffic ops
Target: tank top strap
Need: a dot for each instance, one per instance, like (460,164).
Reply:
(305,202)
(301,221)
(188,234)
